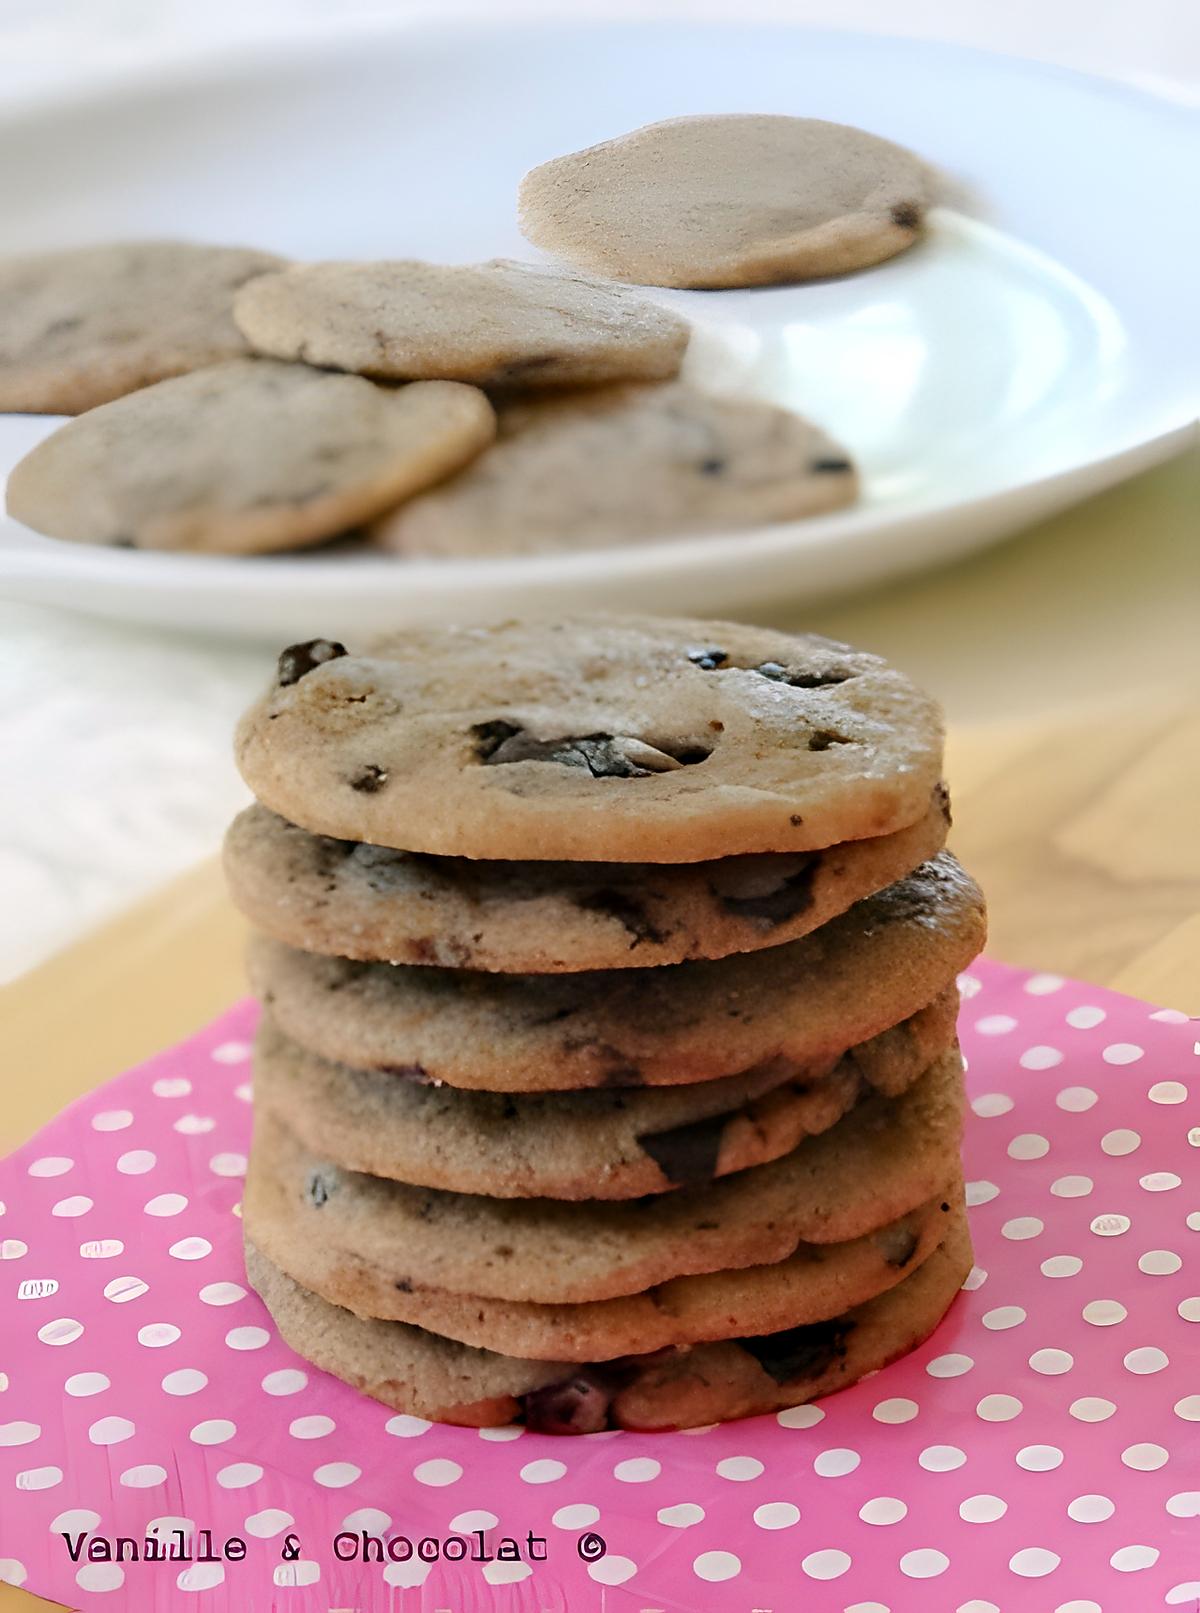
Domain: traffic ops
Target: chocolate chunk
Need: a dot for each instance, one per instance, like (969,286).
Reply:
(602,755)
(823,738)
(627,910)
(577,1406)
(402,1285)
(370,779)
(300,659)
(830,466)
(800,1352)
(687,1155)
(407,1072)
(791,896)
(778,673)
(489,736)
(907,215)
(707,659)
(904,1247)
(941,799)
(317,1189)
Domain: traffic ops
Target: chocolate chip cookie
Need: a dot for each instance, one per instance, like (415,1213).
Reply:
(619,739)
(734,200)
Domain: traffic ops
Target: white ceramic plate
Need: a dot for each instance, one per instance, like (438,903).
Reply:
(1033,349)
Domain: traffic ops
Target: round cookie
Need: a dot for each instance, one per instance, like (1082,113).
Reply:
(425,1375)
(622,739)
(81,327)
(887,1156)
(609,1144)
(623,464)
(351,900)
(790,1006)
(733,200)
(816,1281)
(499,324)
(245,457)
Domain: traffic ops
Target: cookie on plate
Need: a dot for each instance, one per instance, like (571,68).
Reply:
(622,739)
(792,1006)
(607,1143)
(886,1157)
(499,324)
(425,1375)
(245,457)
(732,200)
(625,463)
(83,326)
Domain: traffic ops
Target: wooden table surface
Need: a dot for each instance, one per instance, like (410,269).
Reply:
(1069,662)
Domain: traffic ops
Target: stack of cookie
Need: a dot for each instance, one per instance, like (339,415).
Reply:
(607,1073)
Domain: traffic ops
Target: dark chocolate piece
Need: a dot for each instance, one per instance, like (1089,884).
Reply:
(800,1352)
(687,1155)
(577,1406)
(791,896)
(370,779)
(298,660)
(627,910)
(907,215)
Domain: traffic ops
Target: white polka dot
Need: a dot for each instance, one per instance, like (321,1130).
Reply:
(1090,1509)
(81,1384)
(1145,1360)
(799,1417)
(375,1522)
(777,1515)
(190,1249)
(50,1165)
(991,1104)
(231,1053)
(1186,1596)
(1119,1142)
(1104,1312)
(19,1433)
(828,1564)
(12,1572)
(1170,1016)
(194,1125)
(1168,1092)
(213,1431)
(1184,1505)
(949,1366)
(1145,1457)
(544,1471)
(898,1410)
(147,1476)
(1029,1145)
(1041,985)
(1188,1408)
(612,1570)
(247,1338)
(1040,1057)
(1159,1263)
(941,1458)
(924,1563)
(157,1335)
(100,1577)
(187,1381)
(1085,1017)
(228,1164)
(834,1464)
(246,1093)
(287,1381)
(1051,1363)
(999,1408)
(737,1468)
(995,1024)
(640,1470)
(883,1510)
(201,1577)
(1034,1562)
(1003,1317)
(438,1473)
(111,1431)
(112,1120)
(1091,1409)
(682,1516)
(302,1572)
(1111,1225)
(501,1435)
(1189,1309)
(68,1209)
(1039,1458)
(268,1523)
(311,1427)
(1023,1227)
(13,1249)
(715,1566)
(405,1427)
(1075,1606)
(336,1475)
(981,1193)
(63,1330)
(120,1290)
(239,1475)
(1160,1182)
(1076,1100)
(1072,1187)
(171,1086)
(39,1478)
(577,1516)
(974,1279)
(1122,1053)
(165,1204)
(137,1162)
(1129,1559)
(982,1509)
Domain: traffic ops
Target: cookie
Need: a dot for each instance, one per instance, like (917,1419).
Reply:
(422,1374)
(245,457)
(81,327)
(886,1157)
(499,324)
(615,1143)
(372,903)
(623,464)
(816,1281)
(621,739)
(789,1007)
(734,200)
